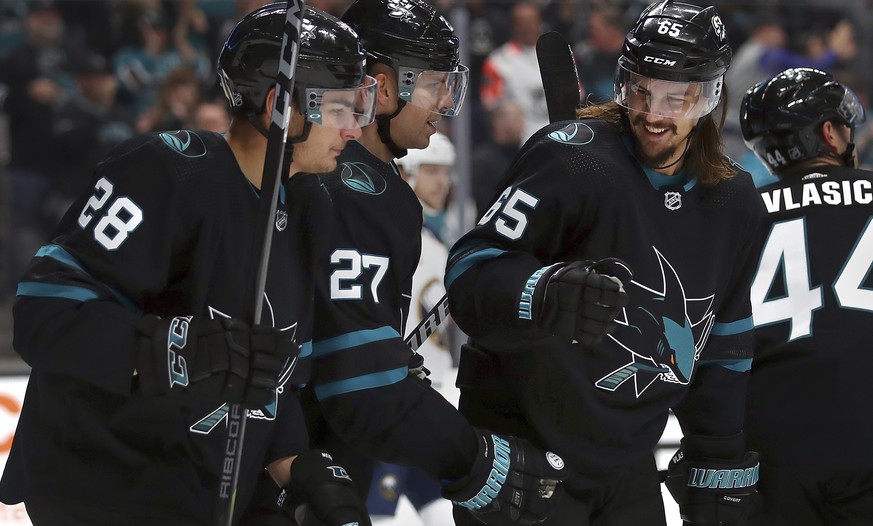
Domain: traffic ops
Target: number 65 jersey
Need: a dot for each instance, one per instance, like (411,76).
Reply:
(812,299)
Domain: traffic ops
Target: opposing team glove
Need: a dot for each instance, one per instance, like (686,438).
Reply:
(580,300)
(713,481)
(511,483)
(327,492)
(222,359)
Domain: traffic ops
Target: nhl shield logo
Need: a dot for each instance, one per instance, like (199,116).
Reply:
(281,220)
(673,200)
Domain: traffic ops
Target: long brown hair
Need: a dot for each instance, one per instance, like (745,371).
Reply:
(705,157)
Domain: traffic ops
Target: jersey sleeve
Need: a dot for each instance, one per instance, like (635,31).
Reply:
(526,229)
(78,301)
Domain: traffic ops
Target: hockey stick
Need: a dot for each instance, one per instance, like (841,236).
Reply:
(270,184)
(429,324)
(560,76)
(563,96)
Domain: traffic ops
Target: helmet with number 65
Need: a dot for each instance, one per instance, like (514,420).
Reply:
(682,45)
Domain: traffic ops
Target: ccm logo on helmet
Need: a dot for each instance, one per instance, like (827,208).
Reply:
(660,61)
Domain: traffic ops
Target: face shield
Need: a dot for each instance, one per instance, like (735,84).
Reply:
(672,100)
(440,92)
(342,108)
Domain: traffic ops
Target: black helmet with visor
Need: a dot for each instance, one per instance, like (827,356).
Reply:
(673,61)
(781,118)
(419,43)
(331,86)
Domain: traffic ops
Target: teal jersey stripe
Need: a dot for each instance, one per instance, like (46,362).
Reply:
(735,327)
(353,339)
(468,261)
(47,290)
(359,383)
(739,366)
(305,349)
(58,253)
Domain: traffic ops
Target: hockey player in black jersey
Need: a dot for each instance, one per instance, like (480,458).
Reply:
(634,190)
(131,316)
(364,403)
(809,398)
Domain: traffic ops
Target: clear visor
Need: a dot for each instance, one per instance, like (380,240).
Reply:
(673,100)
(342,108)
(851,108)
(436,91)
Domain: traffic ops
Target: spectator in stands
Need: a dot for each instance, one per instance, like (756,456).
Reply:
(512,70)
(178,95)
(36,81)
(491,159)
(210,115)
(597,55)
(766,53)
(162,48)
(88,126)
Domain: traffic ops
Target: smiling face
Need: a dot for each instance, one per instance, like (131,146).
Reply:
(656,111)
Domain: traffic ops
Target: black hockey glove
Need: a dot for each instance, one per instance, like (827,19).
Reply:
(222,359)
(326,491)
(580,301)
(417,368)
(510,484)
(713,481)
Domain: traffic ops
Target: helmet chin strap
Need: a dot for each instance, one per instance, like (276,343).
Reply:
(383,126)
(847,157)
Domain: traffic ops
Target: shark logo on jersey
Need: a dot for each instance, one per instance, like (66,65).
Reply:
(184,143)
(576,133)
(206,424)
(679,327)
(361,178)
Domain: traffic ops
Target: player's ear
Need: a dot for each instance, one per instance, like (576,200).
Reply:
(386,85)
(831,136)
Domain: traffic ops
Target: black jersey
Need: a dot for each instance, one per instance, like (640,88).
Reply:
(812,298)
(366,400)
(575,192)
(168,230)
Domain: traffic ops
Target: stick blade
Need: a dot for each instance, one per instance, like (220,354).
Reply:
(559,75)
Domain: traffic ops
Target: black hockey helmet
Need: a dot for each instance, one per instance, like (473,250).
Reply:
(679,43)
(781,118)
(330,57)
(419,43)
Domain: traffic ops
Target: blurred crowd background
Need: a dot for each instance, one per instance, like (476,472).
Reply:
(79,76)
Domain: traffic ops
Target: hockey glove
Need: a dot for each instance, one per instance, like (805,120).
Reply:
(713,482)
(326,490)
(580,301)
(222,359)
(510,484)
(417,368)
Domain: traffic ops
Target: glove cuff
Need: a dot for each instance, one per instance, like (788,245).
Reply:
(730,447)
(533,292)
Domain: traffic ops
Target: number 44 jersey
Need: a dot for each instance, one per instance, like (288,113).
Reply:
(812,299)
